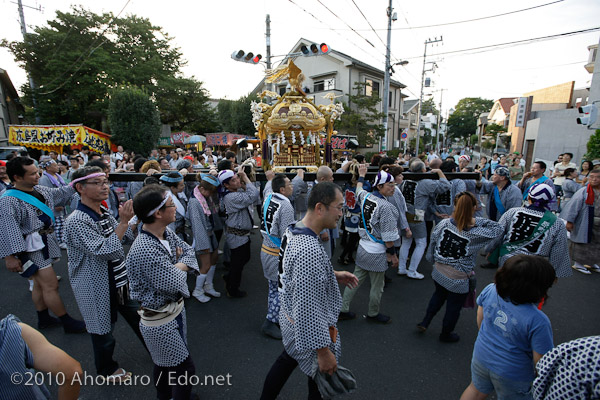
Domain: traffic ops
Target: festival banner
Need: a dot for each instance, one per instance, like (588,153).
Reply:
(55,137)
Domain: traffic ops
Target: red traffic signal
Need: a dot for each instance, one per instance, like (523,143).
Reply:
(315,50)
(246,57)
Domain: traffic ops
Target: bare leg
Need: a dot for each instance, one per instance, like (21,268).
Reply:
(38,298)
(471,393)
(45,280)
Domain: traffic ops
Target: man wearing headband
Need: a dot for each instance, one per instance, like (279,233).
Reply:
(28,244)
(96,267)
(582,214)
(502,196)
(463,162)
(158,264)
(235,200)
(535,176)
(378,229)
(533,230)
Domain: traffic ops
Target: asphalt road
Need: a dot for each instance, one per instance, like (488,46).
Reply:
(390,362)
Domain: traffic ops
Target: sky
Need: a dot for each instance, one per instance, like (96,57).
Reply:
(207,32)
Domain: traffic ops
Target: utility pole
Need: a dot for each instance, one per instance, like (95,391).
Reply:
(428,41)
(386,79)
(31,82)
(439,125)
(268,35)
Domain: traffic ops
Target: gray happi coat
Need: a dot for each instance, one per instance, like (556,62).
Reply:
(89,253)
(279,215)
(18,219)
(458,249)
(310,298)
(519,223)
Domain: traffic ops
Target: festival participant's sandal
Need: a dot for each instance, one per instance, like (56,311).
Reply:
(120,376)
(581,269)
(593,268)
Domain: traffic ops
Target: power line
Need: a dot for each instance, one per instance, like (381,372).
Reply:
(492,47)
(374,31)
(330,28)
(482,18)
(462,21)
(82,54)
(351,28)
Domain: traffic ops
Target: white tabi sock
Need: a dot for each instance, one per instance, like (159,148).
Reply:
(200,282)
(210,275)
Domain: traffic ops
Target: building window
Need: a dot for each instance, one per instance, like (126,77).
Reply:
(281,90)
(391,100)
(319,86)
(372,87)
(325,84)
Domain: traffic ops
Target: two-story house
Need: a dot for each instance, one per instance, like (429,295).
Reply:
(336,72)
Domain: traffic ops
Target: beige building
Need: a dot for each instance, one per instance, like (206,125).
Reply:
(336,73)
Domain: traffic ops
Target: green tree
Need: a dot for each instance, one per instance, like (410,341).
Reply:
(593,147)
(463,121)
(183,104)
(234,116)
(493,129)
(80,57)
(133,119)
(224,115)
(362,118)
(428,106)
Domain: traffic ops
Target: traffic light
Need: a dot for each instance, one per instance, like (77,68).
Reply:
(590,115)
(247,58)
(315,50)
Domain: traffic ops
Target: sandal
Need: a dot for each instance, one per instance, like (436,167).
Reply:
(581,269)
(593,268)
(119,376)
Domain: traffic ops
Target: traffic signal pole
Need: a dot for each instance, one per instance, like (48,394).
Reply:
(386,81)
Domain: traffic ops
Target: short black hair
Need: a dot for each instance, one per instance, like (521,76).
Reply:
(98,163)
(224,164)
(151,180)
(386,160)
(568,154)
(568,171)
(360,158)
(137,164)
(324,193)
(448,166)
(92,155)
(230,154)
(85,171)
(524,279)
(278,183)
(85,148)
(16,167)
(147,199)
(195,154)
(541,164)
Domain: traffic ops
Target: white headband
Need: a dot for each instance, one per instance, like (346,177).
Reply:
(135,219)
(162,203)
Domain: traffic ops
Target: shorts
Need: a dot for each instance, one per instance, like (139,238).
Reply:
(487,381)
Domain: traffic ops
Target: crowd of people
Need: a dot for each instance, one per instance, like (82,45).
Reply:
(533,227)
